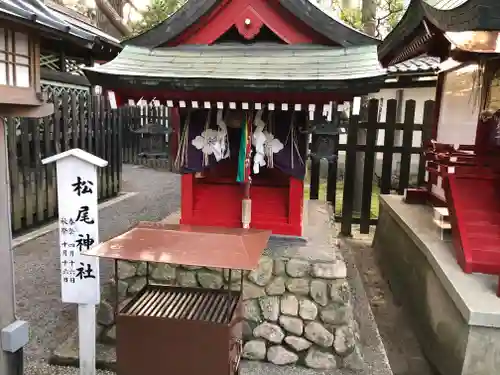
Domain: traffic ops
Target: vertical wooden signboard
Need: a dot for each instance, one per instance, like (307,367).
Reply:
(79,231)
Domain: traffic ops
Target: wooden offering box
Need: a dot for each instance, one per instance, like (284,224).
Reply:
(184,331)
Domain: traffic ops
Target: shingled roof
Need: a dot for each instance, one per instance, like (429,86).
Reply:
(54,22)
(255,67)
(426,19)
(421,65)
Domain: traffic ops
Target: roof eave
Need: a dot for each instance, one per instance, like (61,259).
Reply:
(174,25)
(470,16)
(51,32)
(421,73)
(329,27)
(116,82)
(411,20)
(42,18)
(304,10)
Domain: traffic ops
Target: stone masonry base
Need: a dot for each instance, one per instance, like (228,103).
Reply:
(297,304)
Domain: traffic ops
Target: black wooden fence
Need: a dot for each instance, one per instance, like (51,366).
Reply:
(392,179)
(78,122)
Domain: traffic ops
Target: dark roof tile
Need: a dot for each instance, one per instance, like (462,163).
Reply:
(39,15)
(418,65)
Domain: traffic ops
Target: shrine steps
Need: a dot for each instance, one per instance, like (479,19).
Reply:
(441,220)
(474,202)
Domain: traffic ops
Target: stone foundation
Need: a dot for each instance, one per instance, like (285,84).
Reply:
(456,316)
(296,311)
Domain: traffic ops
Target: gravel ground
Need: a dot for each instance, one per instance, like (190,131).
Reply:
(403,351)
(37,268)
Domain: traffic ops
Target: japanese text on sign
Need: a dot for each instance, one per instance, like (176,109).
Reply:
(78,230)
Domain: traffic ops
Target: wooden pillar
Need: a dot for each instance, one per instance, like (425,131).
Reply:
(8,363)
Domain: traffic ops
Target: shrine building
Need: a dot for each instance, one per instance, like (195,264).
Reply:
(247,82)
(438,246)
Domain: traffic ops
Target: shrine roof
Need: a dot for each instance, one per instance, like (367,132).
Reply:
(56,21)
(425,19)
(257,66)
(417,65)
(310,13)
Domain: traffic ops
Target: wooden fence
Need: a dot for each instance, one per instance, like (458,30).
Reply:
(150,149)
(392,179)
(84,122)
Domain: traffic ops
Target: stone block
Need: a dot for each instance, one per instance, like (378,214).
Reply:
(276,287)
(164,273)
(289,305)
(291,324)
(263,273)
(307,309)
(210,279)
(297,268)
(269,331)
(254,350)
(270,307)
(251,311)
(298,286)
(298,344)
(319,292)
(278,355)
(126,269)
(330,270)
(318,334)
(320,360)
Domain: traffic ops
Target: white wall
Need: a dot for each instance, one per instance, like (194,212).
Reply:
(420,95)
(459,111)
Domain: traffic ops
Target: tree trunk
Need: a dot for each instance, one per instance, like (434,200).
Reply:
(113,17)
(368,17)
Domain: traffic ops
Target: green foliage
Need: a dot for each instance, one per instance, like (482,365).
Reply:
(393,10)
(157,12)
(352,17)
(389,12)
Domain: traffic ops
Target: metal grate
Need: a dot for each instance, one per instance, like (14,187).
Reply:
(189,304)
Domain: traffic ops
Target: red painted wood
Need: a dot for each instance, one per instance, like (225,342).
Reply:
(186,198)
(249,31)
(296,199)
(120,99)
(268,12)
(474,205)
(216,201)
(277,201)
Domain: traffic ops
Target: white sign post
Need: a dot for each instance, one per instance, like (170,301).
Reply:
(79,231)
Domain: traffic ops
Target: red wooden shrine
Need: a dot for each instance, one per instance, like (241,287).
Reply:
(462,163)
(285,61)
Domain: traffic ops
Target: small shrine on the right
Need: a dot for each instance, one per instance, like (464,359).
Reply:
(439,245)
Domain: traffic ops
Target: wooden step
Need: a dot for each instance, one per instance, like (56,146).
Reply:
(441,214)
(476,208)
(443,230)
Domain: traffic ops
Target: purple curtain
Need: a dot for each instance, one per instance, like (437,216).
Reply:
(290,160)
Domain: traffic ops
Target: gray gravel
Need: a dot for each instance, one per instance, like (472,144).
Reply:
(39,368)
(247,368)
(37,268)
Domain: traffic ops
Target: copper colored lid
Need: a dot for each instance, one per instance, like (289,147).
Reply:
(187,245)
